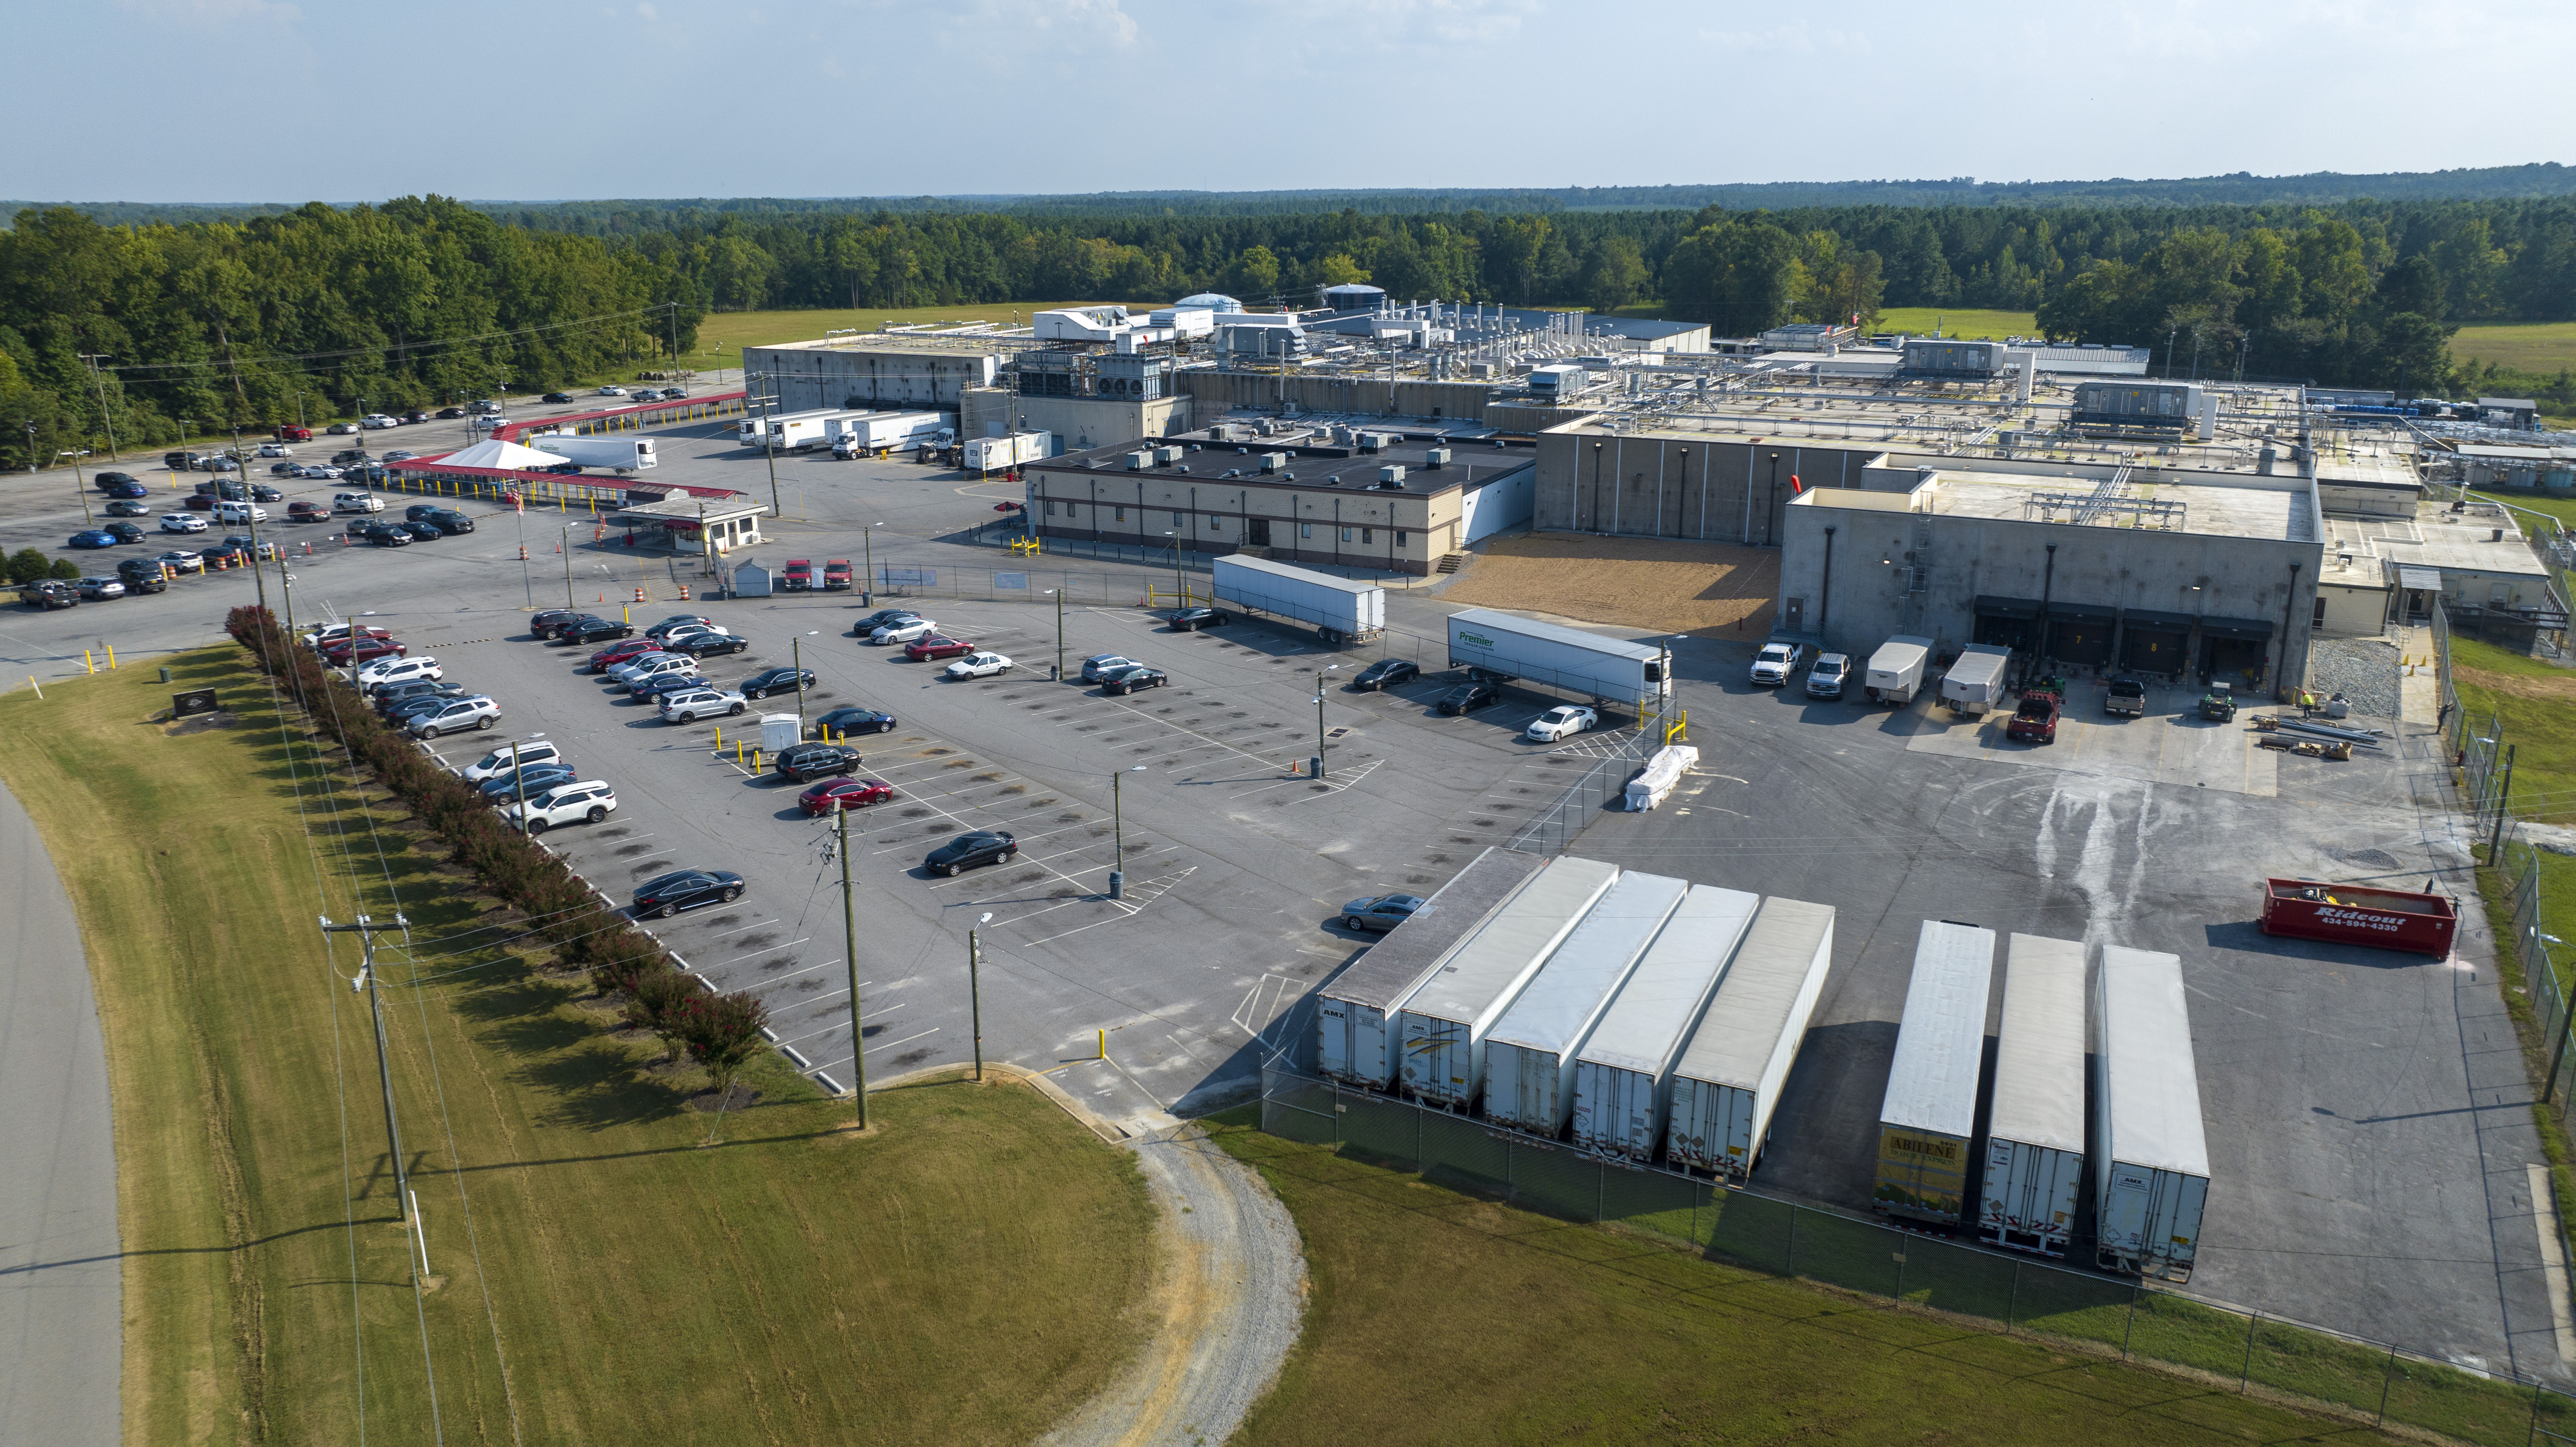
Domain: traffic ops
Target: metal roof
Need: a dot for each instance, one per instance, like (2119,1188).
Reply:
(2154,1107)
(1941,1042)
(2039,1056)
(2427,579)
(1483,976)
(1753,1003)
(1392,968)
(1662,1000)
(1559,1008)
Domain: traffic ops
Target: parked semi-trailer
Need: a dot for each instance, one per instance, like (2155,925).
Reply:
(994,454)
(1623,1076)
(1341,608)
(1355,1013)
(1730,1076)
(1975,682)
(1604,670)
(1530,1058)
(1929,1115)
(861,433)
(1896,669)
(1445,1023)
(626,454)
(2150,1160)
(2035,1132)
(755,430)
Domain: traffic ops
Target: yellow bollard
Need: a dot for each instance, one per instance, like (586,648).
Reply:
(720,738)
(111,658)
(88,662)
(1104,1044)
(38,687)
(737,752)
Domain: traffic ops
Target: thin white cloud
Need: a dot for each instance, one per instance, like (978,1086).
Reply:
(215,14)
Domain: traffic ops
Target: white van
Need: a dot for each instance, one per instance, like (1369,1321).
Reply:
(240,512)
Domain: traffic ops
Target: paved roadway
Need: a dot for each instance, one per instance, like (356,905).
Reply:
(61,1340)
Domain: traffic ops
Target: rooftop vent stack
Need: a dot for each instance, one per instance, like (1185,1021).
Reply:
(1392,475)
(2264,459)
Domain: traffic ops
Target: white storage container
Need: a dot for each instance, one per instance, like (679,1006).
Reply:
(1354,1010)
(780,731)
(1896,669)
(2150,1159)
(1929,1115)
(1529,1060)
(1727,1086)
(2035,1131)
(1975,682)
(1445,1023)
(1623,1074)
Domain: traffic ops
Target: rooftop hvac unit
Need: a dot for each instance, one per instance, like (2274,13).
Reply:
(1166,456)
(1273,461)
(1436,457)
(1372,442)
(1391,475)
(1139,461)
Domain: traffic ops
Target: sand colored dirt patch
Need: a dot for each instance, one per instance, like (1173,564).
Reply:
(1705,589)
(2554,690)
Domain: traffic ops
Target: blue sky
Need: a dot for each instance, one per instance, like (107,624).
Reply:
(267,100)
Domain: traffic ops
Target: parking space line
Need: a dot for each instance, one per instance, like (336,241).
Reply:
(765,950)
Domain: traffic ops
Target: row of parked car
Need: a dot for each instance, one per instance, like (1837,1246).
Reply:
(922,641)
(411,693)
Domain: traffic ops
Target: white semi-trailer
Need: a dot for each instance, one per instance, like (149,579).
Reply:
(2035,1132)
(757,430)
(995,454)
(1444,1025)
(863,433)
(1530,1058)
(1355,1013)
(2150,1158)
(1604,670)
(1344,610)
(1729,1079)
(626,454)
(1929,1115)
(1623,1075)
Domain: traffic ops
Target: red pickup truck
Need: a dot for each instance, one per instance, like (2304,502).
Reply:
(2035,722)
(294,432)
(836,575)
(799,577)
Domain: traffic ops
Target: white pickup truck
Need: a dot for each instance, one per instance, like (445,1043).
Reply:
(1774,665)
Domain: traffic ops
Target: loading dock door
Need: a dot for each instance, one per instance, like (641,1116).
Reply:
(2235,650)
(2152,642)
(2008,622)
(2079,634)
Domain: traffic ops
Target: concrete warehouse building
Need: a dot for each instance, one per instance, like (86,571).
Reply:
(894,371)
(1352,494)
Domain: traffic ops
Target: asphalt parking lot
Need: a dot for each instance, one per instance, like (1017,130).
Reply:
(2364,1111)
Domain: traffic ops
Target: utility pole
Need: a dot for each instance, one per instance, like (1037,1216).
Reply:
(80,486)
(366,930)
(769,448)
(796,652)
(850,953)
(975,990)
(567,555)
(250,518)
(1059,632)
(100,380)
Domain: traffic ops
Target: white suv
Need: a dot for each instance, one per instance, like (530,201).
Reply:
(398,670)
(693,704)
(465,713)
(240,512)
(356,502)
(587,802)
(663,667)
(377,422)
(1773,665)
(1564,719)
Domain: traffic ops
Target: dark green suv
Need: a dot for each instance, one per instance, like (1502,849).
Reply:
(143,575)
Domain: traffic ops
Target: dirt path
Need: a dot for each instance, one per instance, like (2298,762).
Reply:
(1230,1295)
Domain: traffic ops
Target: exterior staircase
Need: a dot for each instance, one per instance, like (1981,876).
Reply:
(1452,562)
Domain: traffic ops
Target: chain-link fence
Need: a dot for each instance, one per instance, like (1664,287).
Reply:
(2083,1311)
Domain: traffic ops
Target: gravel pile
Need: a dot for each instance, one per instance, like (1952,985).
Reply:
(2363,670)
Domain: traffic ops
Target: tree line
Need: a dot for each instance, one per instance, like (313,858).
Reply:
(152,328)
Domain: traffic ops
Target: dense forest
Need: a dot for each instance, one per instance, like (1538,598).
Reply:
(233,321)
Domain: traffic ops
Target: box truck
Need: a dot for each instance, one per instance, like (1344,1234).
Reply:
(2035,1131)
(1975,682)
(1602,670)
(1530,1057)
(866,433)
(1896,669)
(1356,1010)
(1623,1075)
(1929,1114)
(2150,1160)
(754,427)
(997,454)
(626,454)
(1728,1082)
(1444,1024)
(1341,609)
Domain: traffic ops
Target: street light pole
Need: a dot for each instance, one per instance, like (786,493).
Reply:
(975,989)
(567,552)
(850,952)
(1059,632)
(1319,716)
(796,651)
(1118,834)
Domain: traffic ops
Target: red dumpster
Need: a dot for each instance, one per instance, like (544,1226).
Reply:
(2360,914)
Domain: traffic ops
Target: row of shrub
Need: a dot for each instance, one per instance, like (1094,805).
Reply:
(719,1032)
(30,564)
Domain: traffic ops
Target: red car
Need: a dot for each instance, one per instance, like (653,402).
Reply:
(300,511)
(368,650)
(836,575)
(201,502)
(799,577)
(847,793)
(294,432)
(937,645)
(625,651)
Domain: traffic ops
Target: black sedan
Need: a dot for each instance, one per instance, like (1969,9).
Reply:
(1466,698)
(855,720)
(593,630)
(968,851)
(879,619)
(1186,619)
(707,645)
(449,414)
(1132,678)
(1386,673)
(421,532)
(537,777)
(382,535)
(559,398)
(1380,912)
(686,889)
(124,532)
(777,680)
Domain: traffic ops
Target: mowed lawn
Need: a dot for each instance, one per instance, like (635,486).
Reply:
(2543,347)
(723,335)
(599,1272)
(1437,1317)
(1961,322)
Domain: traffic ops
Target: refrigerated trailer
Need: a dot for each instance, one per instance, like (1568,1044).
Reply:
(993,454)
(1929,1115)
(2035,1130)
(1728,1082)
(858,434)
(785,429)
(1530,1058)
(1587,665)
(1344,610)
(2150,1160)
(1356,1011)
(1445,1023)
(1896,669)
(626,454)
(1623,1076)
(1975,682)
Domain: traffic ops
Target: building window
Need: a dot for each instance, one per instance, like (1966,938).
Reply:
(1177,521)
(1368,535)
(1346,535)
(1120,515)
(1050,512)
(1399,537)
(1215,524)
(2318,619)
(1305,530)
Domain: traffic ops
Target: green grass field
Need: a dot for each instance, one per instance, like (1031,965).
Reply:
(965,1273)
(1956,322)
(723,335)
(1439,1317)
(2544,348)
